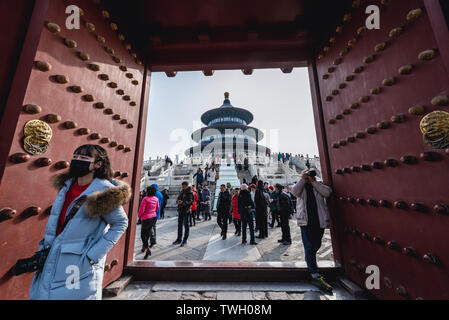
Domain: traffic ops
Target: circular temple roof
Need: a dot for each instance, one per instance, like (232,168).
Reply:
(227,110)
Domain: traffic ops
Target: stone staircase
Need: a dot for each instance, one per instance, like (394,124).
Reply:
(227,174)
(244,174)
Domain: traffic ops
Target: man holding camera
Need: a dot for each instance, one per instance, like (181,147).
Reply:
(313,217)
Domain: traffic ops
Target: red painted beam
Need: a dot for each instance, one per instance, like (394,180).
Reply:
(235,45)
(199,61)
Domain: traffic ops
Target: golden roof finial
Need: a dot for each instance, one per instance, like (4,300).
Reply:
(226,94)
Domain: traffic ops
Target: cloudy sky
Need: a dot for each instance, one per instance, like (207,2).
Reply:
(281,105)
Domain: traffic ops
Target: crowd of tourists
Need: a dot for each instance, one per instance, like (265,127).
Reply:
(253,208)
(88,216)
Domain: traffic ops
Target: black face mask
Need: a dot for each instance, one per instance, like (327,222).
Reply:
(79,168)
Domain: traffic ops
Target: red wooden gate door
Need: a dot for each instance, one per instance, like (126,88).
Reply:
(88,86)
(391,185)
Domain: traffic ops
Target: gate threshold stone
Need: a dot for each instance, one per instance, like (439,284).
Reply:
(116,287)
(234,286)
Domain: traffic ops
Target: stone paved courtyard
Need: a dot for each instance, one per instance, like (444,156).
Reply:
(205,244)
(141,290)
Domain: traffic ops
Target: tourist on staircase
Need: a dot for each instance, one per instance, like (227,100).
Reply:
(223,208)
(313,217)
(246,208)
(148,215)
(235,212)
(184,201)
(199,178)
(211,176)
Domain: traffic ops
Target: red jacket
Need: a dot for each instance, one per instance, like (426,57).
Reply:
(235,207)
(195,200)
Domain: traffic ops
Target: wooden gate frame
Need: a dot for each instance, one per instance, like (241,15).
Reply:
(167,270)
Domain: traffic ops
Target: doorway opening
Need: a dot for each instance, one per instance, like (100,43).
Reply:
(264,127)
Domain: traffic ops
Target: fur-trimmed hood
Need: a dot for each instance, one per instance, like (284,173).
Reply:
(102,201)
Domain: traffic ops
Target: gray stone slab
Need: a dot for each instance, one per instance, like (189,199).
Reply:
(161,295)
(230,249)
(259,295)
(134,291)
(352,288)
(234,286)
(210,295)
(312,295)
(296,296)
(192,296)
(275,295)
(232,295)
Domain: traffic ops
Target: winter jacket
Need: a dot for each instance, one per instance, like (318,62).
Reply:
(284,203)
(166,197)
(160,197)
(186,196)
(274,203)
(199,177)
(205,197)
(195,200)
(261,201)
(211,175)
(224,202)
(245,203)
(149,208)
(321,193)
(85,237)
(235,207)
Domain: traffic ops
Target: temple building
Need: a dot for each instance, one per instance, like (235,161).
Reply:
(227,133)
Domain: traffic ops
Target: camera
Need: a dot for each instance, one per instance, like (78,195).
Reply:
(311,173)
(35,263)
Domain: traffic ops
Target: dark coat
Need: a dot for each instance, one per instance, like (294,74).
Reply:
(166,197)
(199,177)
(224,202)
(261,202)
(284,203)
(245,203)
(186,196)
(274,203)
